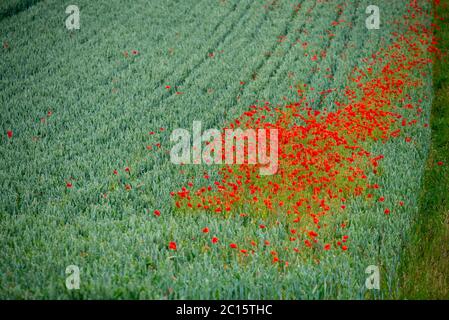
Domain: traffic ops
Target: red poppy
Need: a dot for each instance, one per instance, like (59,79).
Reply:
(206,230)
(9,133)
(214,240)
(157,213)
(68,184)
(135,52)
(344,248)
(233,246)
(262,226)
(387,211)
(115,172)
(327,247)
(172,245)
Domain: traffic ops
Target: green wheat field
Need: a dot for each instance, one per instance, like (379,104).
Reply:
(85,124)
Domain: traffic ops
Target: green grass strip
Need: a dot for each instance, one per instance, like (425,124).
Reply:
(425,270)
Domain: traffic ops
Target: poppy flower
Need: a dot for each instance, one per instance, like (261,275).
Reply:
(344,248)
(68,185)
(233,246)
(172,245)
(9,133)
(167,87)
(440,163)
(157,213)
(262,226)
(327,247)
(135,52)
(206,230)
(387,211)
(214,240)
(115,172)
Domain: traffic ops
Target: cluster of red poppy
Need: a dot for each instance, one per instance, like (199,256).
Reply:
(323,155)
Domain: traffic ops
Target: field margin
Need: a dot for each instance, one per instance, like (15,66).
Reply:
(424,271)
